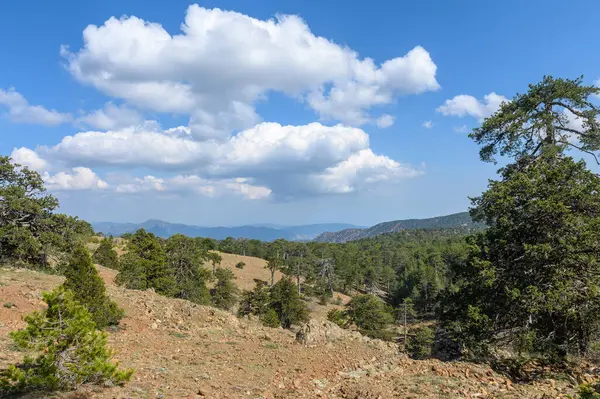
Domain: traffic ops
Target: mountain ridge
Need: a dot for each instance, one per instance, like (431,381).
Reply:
(461,220)
(263,232)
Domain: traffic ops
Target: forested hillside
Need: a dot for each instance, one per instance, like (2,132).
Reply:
(461,222)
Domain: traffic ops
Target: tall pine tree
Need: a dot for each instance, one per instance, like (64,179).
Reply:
(82,278)
(532,279)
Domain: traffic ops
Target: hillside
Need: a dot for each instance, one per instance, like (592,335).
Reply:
(183,350)
(259,232)
(460,221)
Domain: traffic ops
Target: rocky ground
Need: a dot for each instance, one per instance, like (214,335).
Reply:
(182,350)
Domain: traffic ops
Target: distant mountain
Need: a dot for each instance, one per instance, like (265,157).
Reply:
(265,232)
(458,220)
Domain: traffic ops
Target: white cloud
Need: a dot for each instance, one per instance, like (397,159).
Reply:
(223,62)
(26,157)
(111,117)
(79,178)
(385,121)
(268,160)
(361,170)
(428,124)
(463,105)
(194,184)
(146,183)
(20,111)
(259,149)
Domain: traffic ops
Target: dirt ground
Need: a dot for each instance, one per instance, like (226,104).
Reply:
(182,350)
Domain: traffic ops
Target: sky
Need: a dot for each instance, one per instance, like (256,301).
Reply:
(290,112)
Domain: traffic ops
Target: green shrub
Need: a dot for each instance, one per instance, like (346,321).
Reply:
(280,300)
(287,303)
(225,293)
(9,305)
(65,350)
(338,317)
(105,254)
(240,265)
(370,315)
(420,344)
(83,280)
(254,302)
(588,391)
(270,319)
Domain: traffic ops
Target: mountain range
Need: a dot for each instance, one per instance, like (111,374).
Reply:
(461,221)
(323,232)
(263,232)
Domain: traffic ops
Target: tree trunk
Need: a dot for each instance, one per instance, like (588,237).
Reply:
(272,276)
(405,326)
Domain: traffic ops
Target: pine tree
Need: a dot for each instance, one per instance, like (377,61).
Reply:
(225,293)
(370,315)
(532,279)
(270,319)
(83,280)
(286,302)
(64,350)
(186,258)
(132,272)
(145,265)
(105,254)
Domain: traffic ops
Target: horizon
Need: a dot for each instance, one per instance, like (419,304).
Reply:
(279,226)
(235,113)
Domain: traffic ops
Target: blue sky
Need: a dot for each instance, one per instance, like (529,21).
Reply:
(354,114)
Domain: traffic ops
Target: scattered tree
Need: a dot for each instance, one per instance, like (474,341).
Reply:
(83,280)
(370,315)
(65,350)
(186,259)
(225,293)
(105,254)
(420,344)
(270,318)
(145,265)
(286,302)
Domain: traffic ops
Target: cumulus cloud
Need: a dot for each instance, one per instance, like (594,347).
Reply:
(223,62)
(428,124)
(78,178)
(260,149)
(385,121)
(359,171)
(268,160)
(27,157)
(19,110)
(465,105)
(194,184)
(111,117)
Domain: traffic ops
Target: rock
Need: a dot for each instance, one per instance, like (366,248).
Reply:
(320,332)
(320,383)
